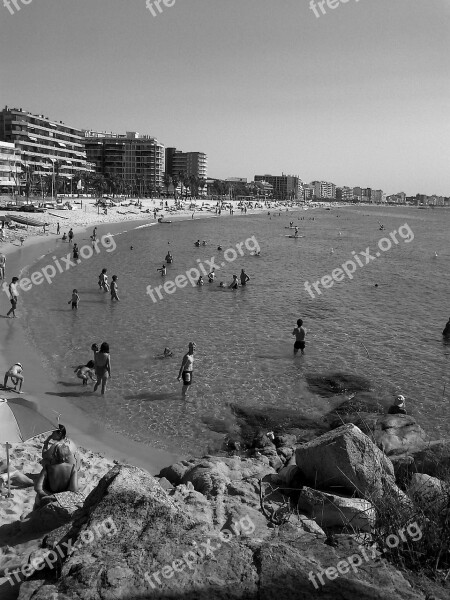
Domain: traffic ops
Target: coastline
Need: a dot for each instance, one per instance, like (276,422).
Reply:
(16,347)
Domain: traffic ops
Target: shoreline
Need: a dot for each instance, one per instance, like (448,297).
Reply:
(86,433)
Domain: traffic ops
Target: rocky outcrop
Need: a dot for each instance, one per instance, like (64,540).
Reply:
(399,434)
(429,493)
(329,510)
(347,458)
(158,549)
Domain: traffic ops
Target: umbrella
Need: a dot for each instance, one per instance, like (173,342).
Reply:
(20,420)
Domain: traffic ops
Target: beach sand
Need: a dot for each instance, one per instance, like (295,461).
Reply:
(15,548)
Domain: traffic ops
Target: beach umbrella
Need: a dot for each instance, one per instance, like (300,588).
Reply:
(20,420)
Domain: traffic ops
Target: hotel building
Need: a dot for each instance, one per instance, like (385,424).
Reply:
(189,163)
(285,187)
(45,146)
(324,190)
(10,168)
(132,157)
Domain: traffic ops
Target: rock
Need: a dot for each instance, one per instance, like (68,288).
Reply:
(165,484)
(287,477)
(285,453)
(329,510)
(433,460)
(289,569)
(263,441)
(329,384)
(176,472)
(157,550)
(399,435)
(430,493)
(346,457)
(289,439)
(253,421)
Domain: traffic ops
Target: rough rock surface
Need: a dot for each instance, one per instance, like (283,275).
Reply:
(399,434)
(329,510)
(157,551)
(429,492)
(346,457)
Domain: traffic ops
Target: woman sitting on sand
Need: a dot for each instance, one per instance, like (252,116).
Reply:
(102,362)
(58,476)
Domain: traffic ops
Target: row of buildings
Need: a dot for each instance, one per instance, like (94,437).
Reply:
(34,145)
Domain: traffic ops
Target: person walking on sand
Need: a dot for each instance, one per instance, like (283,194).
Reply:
(58,228)
(102,362)
(15,374)
(94,234)
(300,333)
(186,369)
(70,235)
(2,266)
(114,288)
(244,277)
(13,296)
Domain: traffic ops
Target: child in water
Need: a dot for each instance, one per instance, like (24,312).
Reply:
(162,270)
(75,300)
(114,295)
(235,283)
(85,371)
(200,280)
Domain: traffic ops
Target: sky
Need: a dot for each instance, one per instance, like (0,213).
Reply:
(359,96)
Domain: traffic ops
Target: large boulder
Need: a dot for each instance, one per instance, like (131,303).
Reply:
(428,492)
(347,458)
(433,460)
(329,510)
(153,550)
(399,435)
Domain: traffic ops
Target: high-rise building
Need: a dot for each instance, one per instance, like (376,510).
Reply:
(186,163)
(44,144)
(285,187)
(344,194)
(133,158)
(324,189)
(10,168)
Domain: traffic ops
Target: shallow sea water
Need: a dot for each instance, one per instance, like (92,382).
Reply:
(244,343)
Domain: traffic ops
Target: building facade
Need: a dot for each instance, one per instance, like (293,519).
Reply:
(324,190)
(45,146)
(344,194)
(132,158)
(189,163)
(285,187)
(10,168)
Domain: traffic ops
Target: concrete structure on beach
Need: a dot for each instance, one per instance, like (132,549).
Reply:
(45,146)
(131,157)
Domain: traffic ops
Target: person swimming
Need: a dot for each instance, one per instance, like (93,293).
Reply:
(200,280)
(197,243)
(169,258)
(219,248)
(398,408)
(212,275)
(204,243)
(221,284)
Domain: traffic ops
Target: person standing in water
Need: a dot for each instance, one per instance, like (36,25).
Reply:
(114,295)
(244,277)
(74,300)
(300,333)
(186,369)
(235,283)
(13,296)
(102,361)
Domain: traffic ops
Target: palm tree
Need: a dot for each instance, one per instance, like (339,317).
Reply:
(175,182)
(167,182)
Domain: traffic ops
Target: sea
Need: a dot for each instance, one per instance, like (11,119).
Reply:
(383,323)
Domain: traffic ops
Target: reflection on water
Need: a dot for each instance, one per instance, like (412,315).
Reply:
(390,334)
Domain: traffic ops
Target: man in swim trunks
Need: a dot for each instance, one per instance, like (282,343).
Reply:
(244,277)
(2,266)
(186,369)
(13,296)
(300,333)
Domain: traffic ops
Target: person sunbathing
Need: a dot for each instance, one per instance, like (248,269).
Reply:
(58,476)
(57,437)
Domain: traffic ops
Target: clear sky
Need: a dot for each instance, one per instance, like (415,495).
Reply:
(358,96)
